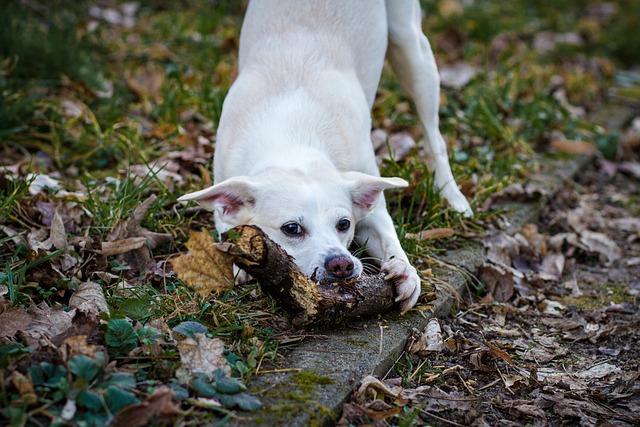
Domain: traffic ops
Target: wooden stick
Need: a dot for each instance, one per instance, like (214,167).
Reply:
(307,301)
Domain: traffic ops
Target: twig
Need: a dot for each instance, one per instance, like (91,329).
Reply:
(444,420)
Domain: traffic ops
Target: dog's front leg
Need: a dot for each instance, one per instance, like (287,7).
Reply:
(378,235)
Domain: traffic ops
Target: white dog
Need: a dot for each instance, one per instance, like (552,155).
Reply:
(293,150)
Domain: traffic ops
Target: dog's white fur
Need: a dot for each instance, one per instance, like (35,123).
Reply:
(293,146)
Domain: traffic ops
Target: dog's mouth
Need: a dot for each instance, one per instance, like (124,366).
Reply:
(320,275)
(313,275)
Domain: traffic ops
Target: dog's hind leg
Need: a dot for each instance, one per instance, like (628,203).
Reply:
(413,62)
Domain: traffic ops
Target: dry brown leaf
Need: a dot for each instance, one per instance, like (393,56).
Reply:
(500,281)
(122,246)
(57,235)
(515,192)
(501,248)
(200,355)
(498,352)
(430,340)
(159,404)
(146,83)
(434,233)
(77,344)
(600,243)
(378,410)
(46,323)
(573,146)
(24,386)
(13,321)
(372,385)
(552,267)
(631,168)
(519,408)
(205,268)
(457,75)
(89,297)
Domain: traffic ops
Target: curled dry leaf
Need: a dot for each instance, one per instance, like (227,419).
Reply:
(122,246)
(498,352)
(434,233)
(89,298)
(39,182)
(573,146)
(602,244)
(372,385)
(205,268)
(427,341)
(57,236)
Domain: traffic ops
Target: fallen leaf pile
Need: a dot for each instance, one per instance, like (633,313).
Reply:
(543,346)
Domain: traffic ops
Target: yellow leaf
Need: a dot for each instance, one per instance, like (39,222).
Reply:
(205,268)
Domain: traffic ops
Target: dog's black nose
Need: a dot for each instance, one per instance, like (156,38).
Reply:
(339,267)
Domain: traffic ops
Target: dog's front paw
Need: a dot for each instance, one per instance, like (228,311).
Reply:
(405,277)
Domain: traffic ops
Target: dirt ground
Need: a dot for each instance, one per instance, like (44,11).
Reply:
(537,350)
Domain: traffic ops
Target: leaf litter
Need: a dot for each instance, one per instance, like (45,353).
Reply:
(553,341)
(522,335)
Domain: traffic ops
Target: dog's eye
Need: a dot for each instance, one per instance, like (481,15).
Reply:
(343,224)
(292,229)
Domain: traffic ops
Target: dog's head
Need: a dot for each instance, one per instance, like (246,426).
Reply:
(312,216)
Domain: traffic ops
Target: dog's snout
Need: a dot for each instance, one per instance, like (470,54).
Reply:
(340,266)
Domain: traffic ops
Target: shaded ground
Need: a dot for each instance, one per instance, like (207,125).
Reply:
(557,352)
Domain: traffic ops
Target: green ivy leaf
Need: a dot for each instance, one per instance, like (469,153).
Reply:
(90,400)
(228,393)
(123,380)
(118,398)
(11,352)
(608,145)
(120,337)
(179,392)
(136,308)
(203,386)
(148,335)
(227,385)
(243,401)
(47,374)
(190,329)
(84,367)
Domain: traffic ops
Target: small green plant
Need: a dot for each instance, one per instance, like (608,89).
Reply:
(229,391)
(121,337)
(81,390)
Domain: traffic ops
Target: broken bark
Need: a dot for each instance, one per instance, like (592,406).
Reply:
(306,300)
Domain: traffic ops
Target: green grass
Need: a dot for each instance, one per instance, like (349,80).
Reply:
(493,126)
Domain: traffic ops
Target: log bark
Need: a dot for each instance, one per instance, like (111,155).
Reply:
(305,300)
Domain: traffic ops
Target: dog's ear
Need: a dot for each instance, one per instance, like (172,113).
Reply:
(366,189)
(227,197)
